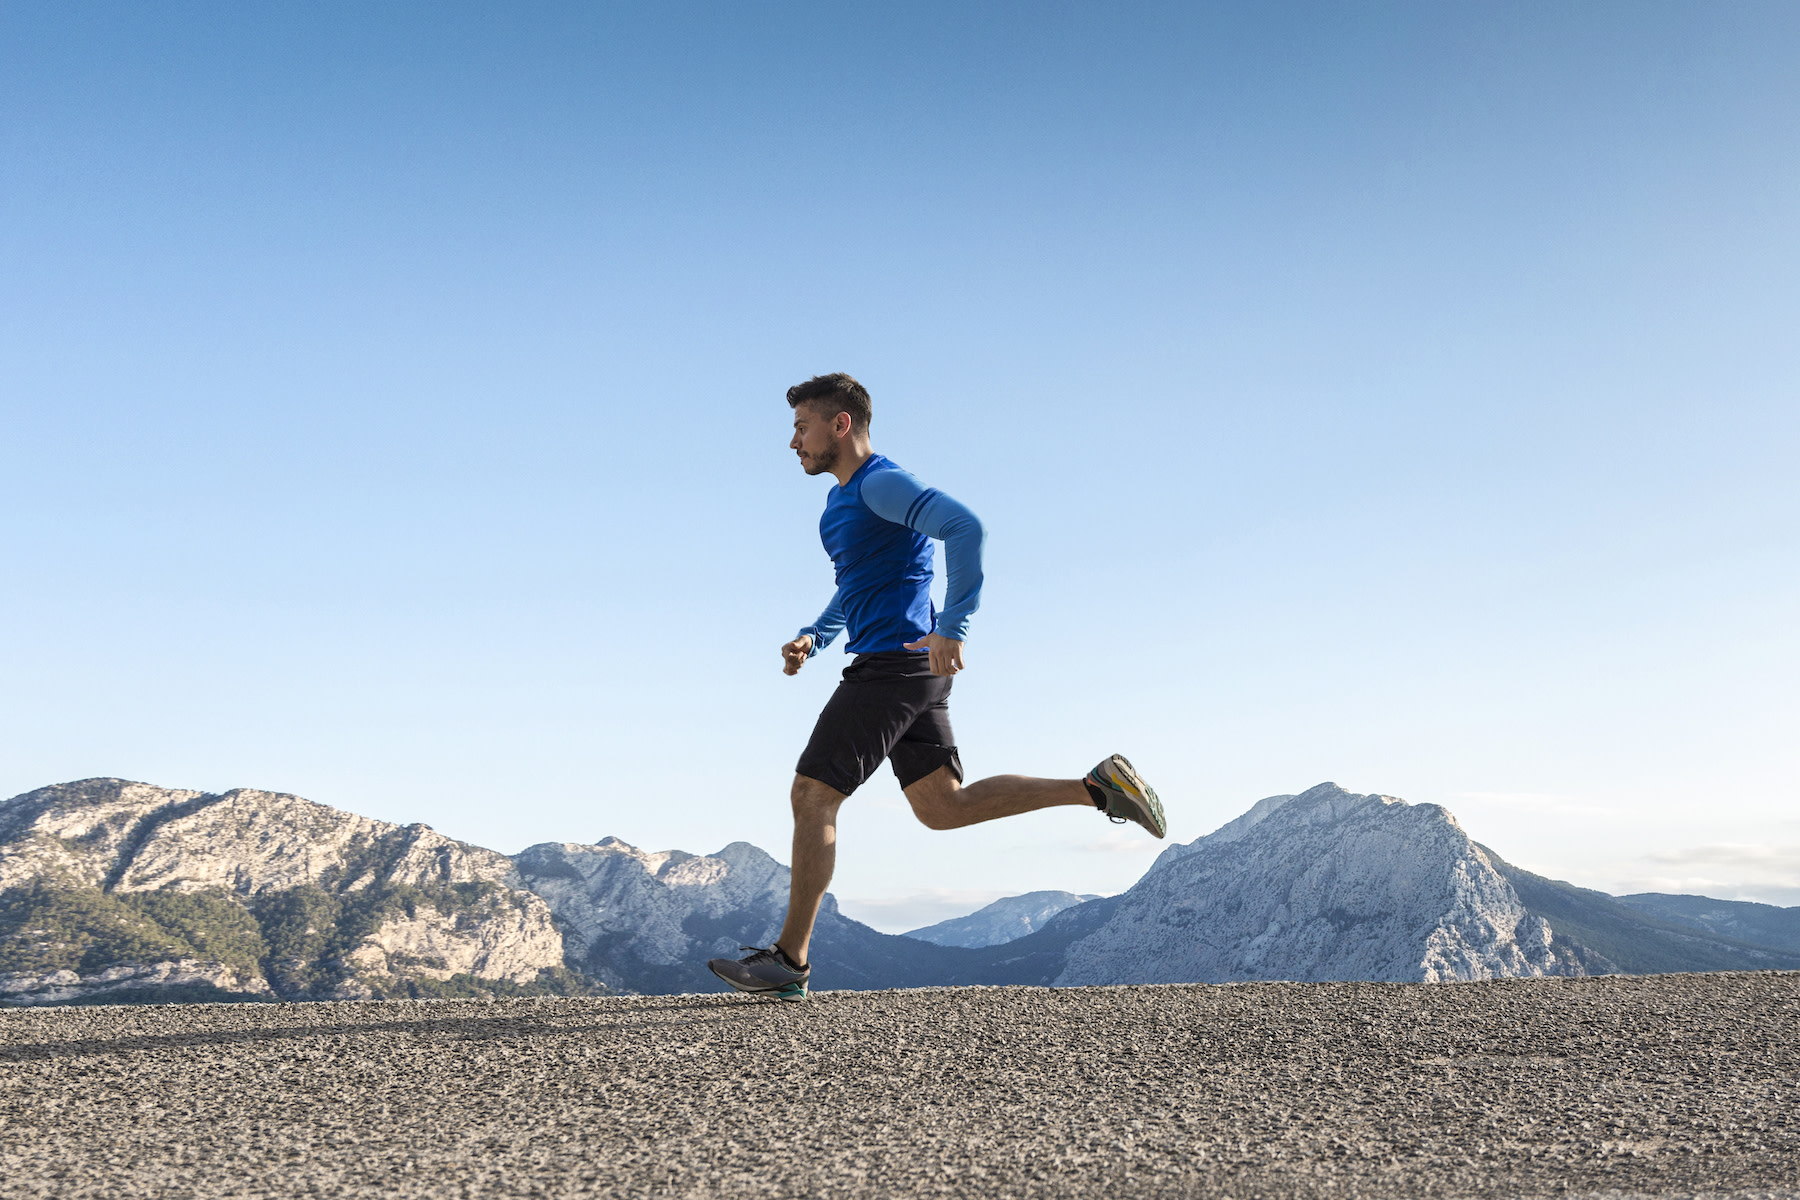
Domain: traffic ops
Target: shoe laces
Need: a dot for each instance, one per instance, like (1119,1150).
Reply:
(772,954)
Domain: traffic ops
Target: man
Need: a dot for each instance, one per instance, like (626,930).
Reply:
(892,703)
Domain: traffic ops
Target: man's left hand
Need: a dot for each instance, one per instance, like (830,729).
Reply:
(946,653)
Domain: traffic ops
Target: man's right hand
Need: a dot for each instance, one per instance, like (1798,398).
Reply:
(795,654)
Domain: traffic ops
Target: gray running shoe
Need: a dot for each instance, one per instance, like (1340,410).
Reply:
(1123,796)
(764,973)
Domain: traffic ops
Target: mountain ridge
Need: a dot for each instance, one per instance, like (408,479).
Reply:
(111,882)
(1006,919)
(1325,884)
(112,890)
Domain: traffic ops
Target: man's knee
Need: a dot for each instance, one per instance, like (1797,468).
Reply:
(937,816)
(811,798)
(933,800)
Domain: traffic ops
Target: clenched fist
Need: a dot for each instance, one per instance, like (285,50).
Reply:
(795,654)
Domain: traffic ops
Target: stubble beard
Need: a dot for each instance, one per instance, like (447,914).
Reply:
(819,464)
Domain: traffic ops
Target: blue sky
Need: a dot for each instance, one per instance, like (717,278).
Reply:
(1401,395)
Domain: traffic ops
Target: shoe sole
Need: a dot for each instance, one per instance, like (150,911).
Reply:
(783,991)
(1154,806)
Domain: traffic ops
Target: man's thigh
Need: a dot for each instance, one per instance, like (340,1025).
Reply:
(928,747)
(869,714)
(933,792)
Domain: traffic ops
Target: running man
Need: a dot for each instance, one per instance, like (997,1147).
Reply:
(893,702)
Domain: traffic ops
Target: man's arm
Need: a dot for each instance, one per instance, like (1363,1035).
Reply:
(815,637)
(898,497)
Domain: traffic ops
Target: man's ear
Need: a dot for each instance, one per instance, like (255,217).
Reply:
(840,425)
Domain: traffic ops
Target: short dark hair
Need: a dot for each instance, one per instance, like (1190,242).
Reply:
(833,394)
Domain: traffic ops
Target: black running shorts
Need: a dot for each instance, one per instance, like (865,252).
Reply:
(889,706)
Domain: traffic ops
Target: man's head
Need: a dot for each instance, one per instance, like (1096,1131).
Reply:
(831,414)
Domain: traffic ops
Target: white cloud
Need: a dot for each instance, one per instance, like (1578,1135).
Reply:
(1725,871)
(1780,860)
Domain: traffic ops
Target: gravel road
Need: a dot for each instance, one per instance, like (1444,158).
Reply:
(1675,1085)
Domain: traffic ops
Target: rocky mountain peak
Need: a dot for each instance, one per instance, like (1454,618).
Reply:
(1325,884)
(317,899)
(634,914)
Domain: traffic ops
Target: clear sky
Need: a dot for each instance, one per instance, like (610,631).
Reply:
(1401,395)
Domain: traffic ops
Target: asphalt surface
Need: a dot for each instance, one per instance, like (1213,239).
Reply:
(1675,1085)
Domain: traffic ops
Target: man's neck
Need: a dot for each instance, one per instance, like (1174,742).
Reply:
(850,462)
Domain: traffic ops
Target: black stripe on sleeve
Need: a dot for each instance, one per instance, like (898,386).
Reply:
(917,506)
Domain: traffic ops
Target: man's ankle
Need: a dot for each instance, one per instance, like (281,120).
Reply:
(793,964)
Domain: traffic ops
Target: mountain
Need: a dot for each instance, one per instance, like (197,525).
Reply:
(647,922)
(1002,921)
(1761,924)
(112,891)
(117,891)
(1327,884)
(1322,885)
(1619,938)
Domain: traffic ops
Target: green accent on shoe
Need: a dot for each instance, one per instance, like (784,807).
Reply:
(1128,797)
(763,973)
(792,992)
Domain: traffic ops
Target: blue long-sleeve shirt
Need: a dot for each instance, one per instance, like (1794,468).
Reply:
(876,528)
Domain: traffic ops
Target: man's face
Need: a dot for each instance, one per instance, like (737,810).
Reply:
(815,440)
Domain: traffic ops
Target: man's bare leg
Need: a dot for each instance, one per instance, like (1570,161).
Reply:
(815,856)
(940,802)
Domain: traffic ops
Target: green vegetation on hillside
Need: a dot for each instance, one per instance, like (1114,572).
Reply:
(212,922)
(44,928)
(1631,941)
(298,939)
(1744,920)
(310,931)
